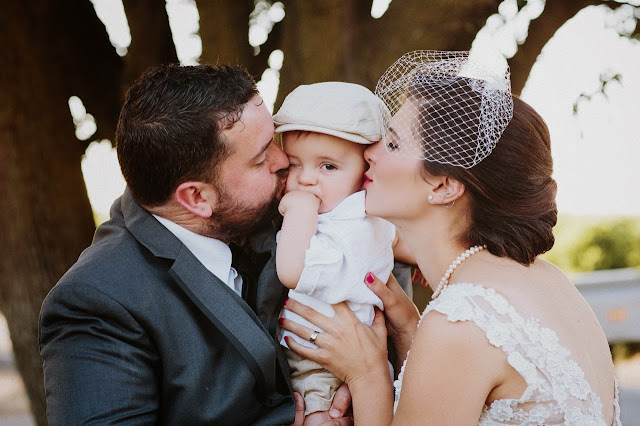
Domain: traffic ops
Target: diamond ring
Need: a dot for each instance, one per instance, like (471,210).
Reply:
(314,336)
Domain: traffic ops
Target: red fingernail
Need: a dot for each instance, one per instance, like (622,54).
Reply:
(285,302)
(281,321)
(286,339)
(370,278)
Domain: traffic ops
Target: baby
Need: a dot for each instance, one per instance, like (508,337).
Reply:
(327,243)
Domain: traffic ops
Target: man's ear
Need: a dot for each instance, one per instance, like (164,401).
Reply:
(198,198)
(446,190)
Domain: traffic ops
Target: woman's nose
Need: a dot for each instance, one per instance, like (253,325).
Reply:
(369,152)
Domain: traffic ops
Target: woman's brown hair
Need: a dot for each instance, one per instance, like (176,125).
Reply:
(512,205)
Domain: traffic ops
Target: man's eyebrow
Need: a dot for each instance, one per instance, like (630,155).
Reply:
(262,150)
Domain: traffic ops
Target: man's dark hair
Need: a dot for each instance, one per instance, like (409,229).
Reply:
(169,127)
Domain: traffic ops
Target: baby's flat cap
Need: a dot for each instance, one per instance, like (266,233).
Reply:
(345,110)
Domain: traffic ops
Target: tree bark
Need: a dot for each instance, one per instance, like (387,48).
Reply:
(151,39)
(46,217)
(339,40)
(224,31)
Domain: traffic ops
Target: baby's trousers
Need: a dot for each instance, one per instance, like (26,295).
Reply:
(313,382)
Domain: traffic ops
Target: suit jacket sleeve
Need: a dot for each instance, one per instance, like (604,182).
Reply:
(99,359)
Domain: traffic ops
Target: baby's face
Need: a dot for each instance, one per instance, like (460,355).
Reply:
(326,166)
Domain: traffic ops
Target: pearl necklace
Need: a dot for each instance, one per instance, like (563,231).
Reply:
(445,280)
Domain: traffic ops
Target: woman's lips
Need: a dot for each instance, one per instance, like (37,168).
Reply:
(366,181)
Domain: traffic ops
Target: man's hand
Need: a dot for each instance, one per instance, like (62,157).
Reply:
(341,404)
(299,200)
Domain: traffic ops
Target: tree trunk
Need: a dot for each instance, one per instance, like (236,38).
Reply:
(151,39)
(339,40)
(224,30)
(46,217)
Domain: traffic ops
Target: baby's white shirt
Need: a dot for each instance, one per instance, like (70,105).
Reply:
(346,246)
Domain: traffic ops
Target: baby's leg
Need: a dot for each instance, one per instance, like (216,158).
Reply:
(313,382)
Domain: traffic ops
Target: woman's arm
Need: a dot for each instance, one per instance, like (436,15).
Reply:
(401,315)
(451,371)
(300,211)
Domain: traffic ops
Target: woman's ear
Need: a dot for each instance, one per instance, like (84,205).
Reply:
(446,190)
(198,198)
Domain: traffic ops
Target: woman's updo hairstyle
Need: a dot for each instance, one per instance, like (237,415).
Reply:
(512,205)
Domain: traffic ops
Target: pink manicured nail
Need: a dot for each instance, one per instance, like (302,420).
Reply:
(281,321)
(285,302)
(370,278)
(286,339)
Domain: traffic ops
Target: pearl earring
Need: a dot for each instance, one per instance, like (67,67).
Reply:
(430,198)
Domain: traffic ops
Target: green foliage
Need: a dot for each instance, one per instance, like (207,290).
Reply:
(587,243)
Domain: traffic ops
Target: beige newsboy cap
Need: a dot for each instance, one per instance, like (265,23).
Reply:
(345,110)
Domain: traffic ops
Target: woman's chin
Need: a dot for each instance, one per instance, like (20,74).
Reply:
(372,208)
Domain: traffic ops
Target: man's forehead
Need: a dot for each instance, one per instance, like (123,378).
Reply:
(252,133)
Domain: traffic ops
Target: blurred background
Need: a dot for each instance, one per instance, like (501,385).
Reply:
(66,66)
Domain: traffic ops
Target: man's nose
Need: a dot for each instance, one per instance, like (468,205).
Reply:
(281,160)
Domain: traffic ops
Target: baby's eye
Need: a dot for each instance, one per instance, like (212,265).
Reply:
(328,166)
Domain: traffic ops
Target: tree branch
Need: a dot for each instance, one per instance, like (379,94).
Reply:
(541,29)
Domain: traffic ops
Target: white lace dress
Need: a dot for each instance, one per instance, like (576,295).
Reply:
(556,393)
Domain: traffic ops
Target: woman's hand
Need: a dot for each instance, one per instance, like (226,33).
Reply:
(401,314)
(347,348)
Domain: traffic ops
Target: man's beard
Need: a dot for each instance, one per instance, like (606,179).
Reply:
(234,221)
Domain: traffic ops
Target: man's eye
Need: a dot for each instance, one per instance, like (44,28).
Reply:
(328,166)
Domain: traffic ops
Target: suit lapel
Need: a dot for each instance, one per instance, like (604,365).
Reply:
(225,309)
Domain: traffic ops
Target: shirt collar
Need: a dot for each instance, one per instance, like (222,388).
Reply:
(213,254)
(351,207)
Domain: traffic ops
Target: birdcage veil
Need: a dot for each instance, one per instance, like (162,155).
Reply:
(446,108)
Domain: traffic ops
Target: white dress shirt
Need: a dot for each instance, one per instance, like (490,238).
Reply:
(213,254)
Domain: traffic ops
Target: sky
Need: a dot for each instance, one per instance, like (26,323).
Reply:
(595,150)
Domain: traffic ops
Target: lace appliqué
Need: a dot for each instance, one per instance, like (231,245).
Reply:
(556,393)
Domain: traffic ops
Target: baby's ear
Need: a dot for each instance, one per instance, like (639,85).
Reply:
(198,198)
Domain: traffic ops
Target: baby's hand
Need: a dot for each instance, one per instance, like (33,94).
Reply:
(299,200)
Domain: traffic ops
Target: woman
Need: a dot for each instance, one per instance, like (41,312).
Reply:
(464,173)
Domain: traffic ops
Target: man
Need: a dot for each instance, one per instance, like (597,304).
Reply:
(153,324)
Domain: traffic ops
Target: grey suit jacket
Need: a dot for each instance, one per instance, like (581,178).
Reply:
(139,332)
